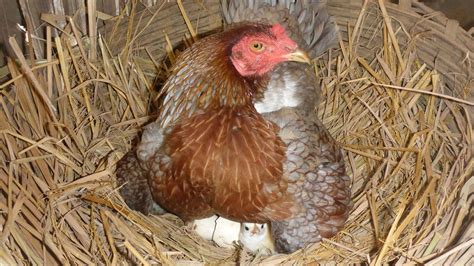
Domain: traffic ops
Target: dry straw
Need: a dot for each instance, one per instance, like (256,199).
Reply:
(404,124)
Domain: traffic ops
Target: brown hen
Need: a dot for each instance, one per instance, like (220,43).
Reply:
(239,165)
(218,155)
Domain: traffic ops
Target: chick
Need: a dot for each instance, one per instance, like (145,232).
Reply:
(225,233)
(257,238)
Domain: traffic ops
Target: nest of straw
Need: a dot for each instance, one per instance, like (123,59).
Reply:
(66,120)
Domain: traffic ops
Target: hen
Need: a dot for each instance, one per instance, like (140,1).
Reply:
(218,155)
(299,184)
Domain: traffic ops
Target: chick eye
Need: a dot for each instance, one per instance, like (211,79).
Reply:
(262,226)
(246,228)
(256,46)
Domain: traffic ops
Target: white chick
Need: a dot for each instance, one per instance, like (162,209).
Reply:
(222,231)
(257,238)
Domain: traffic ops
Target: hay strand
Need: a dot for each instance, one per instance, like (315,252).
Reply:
(404,123)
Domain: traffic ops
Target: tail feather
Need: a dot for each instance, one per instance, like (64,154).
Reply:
(133,172)
(132,180)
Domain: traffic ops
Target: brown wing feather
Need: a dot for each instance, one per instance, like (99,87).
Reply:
(233,160)
(175,195)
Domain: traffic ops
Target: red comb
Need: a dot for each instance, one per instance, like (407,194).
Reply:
(278,29)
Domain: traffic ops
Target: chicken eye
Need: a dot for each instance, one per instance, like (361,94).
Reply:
(257,46)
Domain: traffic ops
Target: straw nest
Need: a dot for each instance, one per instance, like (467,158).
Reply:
(396,96)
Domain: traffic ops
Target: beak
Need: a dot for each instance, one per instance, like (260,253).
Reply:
(298,56)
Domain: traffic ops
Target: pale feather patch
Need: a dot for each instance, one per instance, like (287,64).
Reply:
(279,95)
